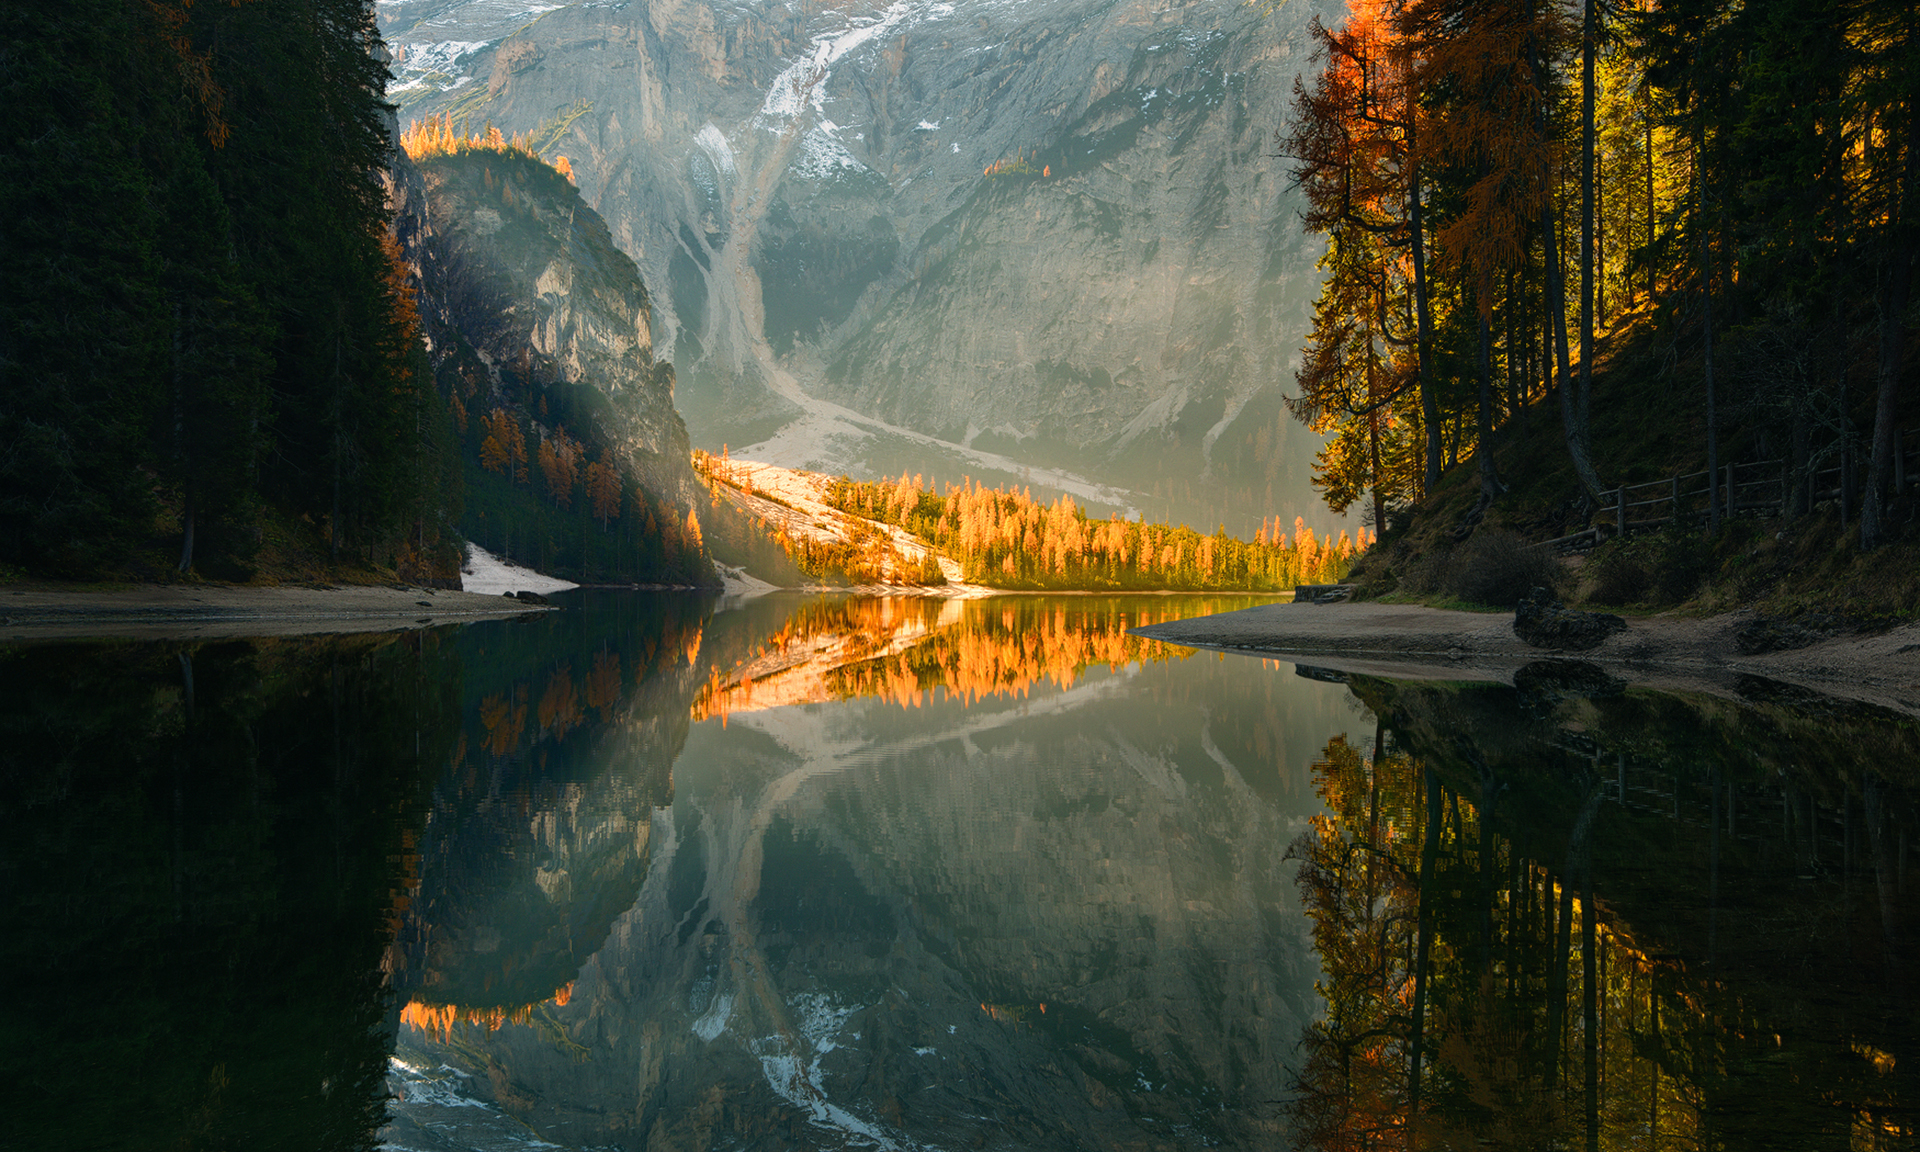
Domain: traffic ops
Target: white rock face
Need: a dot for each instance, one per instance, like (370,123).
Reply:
(976,236)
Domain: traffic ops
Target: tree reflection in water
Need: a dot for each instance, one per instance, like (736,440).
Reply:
(1567,914)
(1035,862)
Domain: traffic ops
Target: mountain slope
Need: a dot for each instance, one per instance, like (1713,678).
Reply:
(976,237)
(540,333)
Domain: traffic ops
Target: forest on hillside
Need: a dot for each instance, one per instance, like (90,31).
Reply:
(1501,183)
(1004,538)
(218,291)
(550,479)
(207,343)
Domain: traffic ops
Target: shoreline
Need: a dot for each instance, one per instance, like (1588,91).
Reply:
(1667,652)
(189,611)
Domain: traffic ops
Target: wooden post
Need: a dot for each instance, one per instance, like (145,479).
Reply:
(1899,461)
(1786,485)
(1846,481)
(1729,491)
(1620,511)
(1676,498)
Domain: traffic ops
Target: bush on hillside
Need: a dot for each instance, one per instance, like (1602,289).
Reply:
(1497,567)
(1661,568)
(1619,575)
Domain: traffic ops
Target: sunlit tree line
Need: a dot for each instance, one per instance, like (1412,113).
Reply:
(437,136)
(1501,181)
(1006,539)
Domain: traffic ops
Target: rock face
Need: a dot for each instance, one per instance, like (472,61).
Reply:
(1542,622)
(518,271)
(972,236)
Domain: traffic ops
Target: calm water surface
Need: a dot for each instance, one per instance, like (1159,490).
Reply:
(830,872)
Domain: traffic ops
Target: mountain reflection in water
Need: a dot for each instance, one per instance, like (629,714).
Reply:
(939,873)
(842,872)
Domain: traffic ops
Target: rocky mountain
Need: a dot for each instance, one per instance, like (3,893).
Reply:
(1043,241)
(532,314)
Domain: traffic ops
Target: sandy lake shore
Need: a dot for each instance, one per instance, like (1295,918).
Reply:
(1408,641)
(182,611)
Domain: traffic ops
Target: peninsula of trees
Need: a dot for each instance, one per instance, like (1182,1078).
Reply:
(1004,538)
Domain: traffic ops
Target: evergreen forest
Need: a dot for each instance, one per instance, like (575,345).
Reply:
(1715,199)
(207,344)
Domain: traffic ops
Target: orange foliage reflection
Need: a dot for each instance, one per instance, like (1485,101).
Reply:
(438,1021)
(902,649)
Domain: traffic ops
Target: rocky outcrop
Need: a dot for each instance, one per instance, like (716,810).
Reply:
(516,268)
(1542,622)
(1051,231)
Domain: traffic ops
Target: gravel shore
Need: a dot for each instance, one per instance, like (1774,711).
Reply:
(182,611)
(1409,641)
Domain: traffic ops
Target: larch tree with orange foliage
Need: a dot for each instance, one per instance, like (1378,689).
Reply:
(1355,141)
(1477,59)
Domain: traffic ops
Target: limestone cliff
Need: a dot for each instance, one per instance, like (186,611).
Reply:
(977,236)
(530,309)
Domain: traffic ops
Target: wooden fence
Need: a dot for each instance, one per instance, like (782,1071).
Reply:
(1755,488)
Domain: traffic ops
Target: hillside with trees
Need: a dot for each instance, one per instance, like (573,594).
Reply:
(904,532)
(244,337)
(1570,248)
(207,355)
(571,454)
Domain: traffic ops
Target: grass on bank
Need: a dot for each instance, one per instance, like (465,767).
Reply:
(1649,423)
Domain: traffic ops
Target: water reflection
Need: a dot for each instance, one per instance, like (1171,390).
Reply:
(898,873)
(197,850)
(1566,913)
(943,874)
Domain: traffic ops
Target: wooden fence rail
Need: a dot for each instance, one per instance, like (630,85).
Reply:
(1761,487)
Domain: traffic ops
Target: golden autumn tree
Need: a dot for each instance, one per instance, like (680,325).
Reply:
(1478,60)
(496,452)
(603,491)
(1367,378)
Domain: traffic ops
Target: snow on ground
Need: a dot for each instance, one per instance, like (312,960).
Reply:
(794,499)
(489,575)
(742,583)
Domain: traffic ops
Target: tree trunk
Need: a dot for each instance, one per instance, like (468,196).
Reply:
(1557,982)
(1373,453)
(1571,411)
(1572,414)
(1515,402)
(1590,993)
(1588,35)
(1590,32)
(1893,335)
(1713,417)
(1650,211)
(1423,336)
(1429,852)
(186,533)
(1490,486)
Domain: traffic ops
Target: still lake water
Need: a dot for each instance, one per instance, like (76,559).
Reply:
(832,872)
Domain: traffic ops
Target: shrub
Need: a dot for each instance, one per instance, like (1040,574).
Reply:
(1619,574)
(1496,567)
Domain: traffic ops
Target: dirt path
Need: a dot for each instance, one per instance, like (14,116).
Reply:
(1407,641)
(200,612)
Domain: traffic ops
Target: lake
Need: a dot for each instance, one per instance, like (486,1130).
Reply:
(827,872)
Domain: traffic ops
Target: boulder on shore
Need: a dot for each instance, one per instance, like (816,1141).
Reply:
(1543,622)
